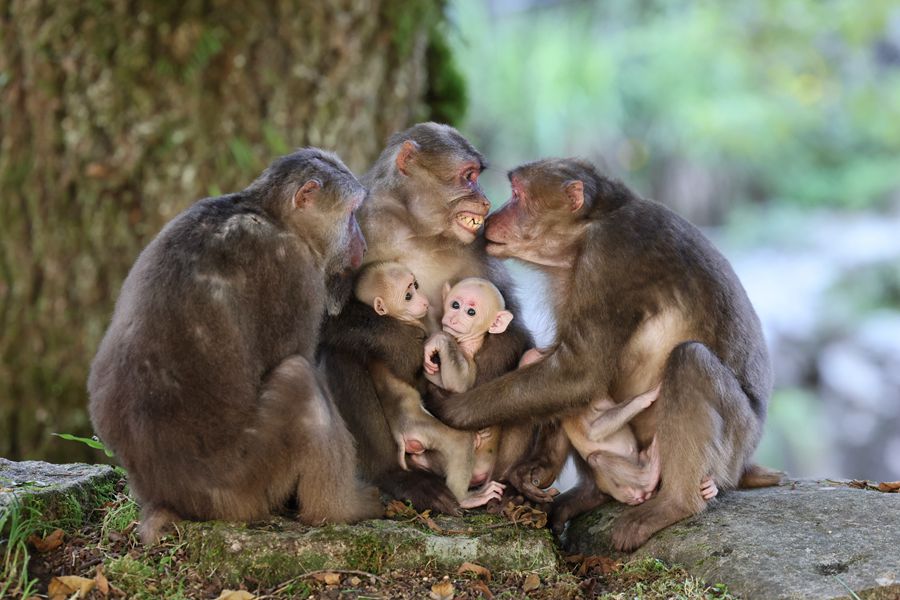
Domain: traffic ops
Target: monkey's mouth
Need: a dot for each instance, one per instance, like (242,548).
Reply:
(469,221)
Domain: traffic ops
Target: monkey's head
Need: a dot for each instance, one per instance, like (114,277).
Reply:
(436,171)
(472,308)
(545,219)
(391,290)
(316,197)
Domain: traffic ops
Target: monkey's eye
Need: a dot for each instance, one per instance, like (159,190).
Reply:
(416,284)
(408,296)
(471,312)
(454,304)
(470,175)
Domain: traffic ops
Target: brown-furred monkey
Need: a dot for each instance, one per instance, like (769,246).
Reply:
(641,297)
(425,209)
(392,291)
(204,385)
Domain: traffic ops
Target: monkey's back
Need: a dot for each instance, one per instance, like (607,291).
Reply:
(212,304)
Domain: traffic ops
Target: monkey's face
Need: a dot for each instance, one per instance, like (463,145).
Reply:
(473,308)
(541,223)
(404,300)
(326,209)
(440,170)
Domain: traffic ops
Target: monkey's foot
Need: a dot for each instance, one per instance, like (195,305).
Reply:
(708,489)
(635,525)
(491,491)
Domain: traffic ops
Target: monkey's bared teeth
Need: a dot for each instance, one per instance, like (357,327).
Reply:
(470,221)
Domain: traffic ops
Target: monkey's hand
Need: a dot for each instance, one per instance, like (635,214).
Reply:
(647,398)
(433,347)
(532,478)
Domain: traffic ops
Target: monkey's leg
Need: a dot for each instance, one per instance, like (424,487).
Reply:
(583,497)
(321,449)
(706,428)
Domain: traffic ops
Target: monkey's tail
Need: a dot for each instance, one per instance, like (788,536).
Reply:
(757,476)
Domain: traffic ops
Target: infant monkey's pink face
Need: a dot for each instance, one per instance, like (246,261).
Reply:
(468,309)
(409,298)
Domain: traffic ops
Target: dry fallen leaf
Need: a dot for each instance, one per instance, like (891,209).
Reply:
(604,564)
(47,543)
(332,578)
(442,590)
(65,586)
(525,515)
(395,508)
(101,582)
(478,570)
(235,595)
(889,486)
(482,588)
(532,582)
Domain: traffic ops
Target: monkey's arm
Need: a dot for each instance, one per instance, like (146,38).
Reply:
(362,333)
(614,419)
(562,381)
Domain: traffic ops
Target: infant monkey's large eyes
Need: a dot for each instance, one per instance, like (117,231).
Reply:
(471,312)
(409,296)
(455,304)
(416,284)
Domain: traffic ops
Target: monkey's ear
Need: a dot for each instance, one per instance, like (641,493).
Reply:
(575,194)
(379,305)
(307,193)
(445,291)
(406,155)
(501,321)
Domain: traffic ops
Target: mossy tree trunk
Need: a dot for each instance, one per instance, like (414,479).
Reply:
(115,115)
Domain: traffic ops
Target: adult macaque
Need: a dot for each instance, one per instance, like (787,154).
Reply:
(641,298)
(203,385)
(392,291)
(425,209)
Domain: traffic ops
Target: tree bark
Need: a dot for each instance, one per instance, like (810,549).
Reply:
(115,115)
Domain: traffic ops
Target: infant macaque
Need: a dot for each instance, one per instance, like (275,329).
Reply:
(473,308)
(603,437)
(392,291)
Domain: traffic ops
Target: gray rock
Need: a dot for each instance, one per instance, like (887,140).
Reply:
(805,539)
(57,492)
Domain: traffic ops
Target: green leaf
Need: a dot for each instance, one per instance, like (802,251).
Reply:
(93,442)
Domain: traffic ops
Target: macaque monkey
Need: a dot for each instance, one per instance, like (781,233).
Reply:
(425,209)
(641,298)
(204,384)
(392,291)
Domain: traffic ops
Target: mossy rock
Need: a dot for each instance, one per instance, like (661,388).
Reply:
(279,549)
(58,494)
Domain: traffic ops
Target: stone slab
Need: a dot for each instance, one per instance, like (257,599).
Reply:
(803,539)
(62,491)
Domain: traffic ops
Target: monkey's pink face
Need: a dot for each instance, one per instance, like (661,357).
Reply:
(467,311)
(527,228)
(470,206)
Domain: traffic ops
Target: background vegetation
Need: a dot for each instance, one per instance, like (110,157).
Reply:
(112,121)
(750,117)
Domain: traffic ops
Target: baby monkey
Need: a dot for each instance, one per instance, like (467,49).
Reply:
(473,308)
(602,436)
(392,291)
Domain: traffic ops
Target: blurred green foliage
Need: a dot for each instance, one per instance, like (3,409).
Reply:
(785,101)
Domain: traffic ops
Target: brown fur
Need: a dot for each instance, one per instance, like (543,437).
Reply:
(642,297)
(203,385)
(417,189)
